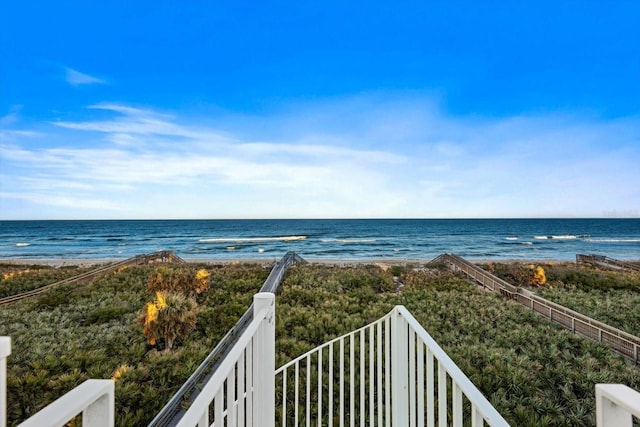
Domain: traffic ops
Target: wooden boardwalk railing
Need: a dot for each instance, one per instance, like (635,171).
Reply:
(619,341)
(161,256)
(486,279)
(605,261)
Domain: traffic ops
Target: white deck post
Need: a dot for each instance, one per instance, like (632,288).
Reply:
(5,351)
(264,362)
(100,413)
(615,405)
(93,398)
(399,374)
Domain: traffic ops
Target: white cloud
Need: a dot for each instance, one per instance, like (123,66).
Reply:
(434,166)
(62,200)
(8,119)
(76,78)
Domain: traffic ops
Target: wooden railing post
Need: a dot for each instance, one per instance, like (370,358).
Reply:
(399,373)
(264,362)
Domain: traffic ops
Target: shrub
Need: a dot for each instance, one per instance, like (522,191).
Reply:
(398,270)
(169,316)
(187,281)
(539,277)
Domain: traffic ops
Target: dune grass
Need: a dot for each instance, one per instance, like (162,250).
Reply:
(534,372)
(15,279)
(612,297)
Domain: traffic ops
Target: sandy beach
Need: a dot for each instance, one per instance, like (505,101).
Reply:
(87,263)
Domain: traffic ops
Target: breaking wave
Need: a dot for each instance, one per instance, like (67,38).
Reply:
(562,237)
(251,239)
(606,240)
(347,240)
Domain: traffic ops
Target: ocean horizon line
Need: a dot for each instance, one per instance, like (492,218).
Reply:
(542,218)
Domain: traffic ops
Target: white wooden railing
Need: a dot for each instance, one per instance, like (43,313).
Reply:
(389,373)
(5,351)
(94,399)
(616,405)
(241,391)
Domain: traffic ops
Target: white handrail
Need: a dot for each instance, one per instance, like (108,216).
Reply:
(93,398)
(5,351)
(616,405)
(388,373)
(461,382)
(248,369)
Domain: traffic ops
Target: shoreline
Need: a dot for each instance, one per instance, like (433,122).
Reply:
(87,263)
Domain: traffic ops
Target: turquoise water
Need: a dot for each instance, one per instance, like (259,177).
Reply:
(536,239)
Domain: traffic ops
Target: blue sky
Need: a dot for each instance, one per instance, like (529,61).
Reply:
(326,109)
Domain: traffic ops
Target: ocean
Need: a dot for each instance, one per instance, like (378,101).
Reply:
(323,239)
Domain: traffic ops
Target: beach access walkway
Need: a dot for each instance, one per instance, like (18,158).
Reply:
(621,342)
(155,257)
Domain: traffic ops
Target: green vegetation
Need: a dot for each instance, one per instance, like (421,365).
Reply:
(171,315)
(183,280)
(607,296)
(534,372)
(173,312)
(80,331)
(15,279)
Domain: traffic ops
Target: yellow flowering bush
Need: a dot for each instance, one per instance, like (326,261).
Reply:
(12,274)
(539,277)
(528,275)
(122,369)
(201,281)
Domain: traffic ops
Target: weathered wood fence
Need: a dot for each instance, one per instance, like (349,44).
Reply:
(605,261)
(619,341)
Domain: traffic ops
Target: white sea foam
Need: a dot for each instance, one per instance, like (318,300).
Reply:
(251,239)
(511,238)
(560,237)
(347,240)
(526,243)
(21,244)
(605,240)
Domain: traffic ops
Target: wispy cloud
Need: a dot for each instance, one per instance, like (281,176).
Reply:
(434,166)
(8,121)
(76,78)
(63,200)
